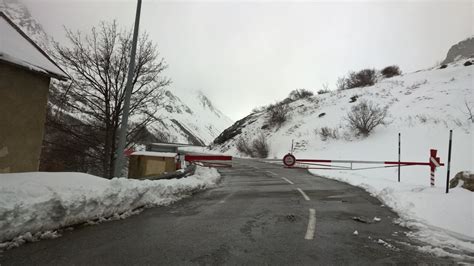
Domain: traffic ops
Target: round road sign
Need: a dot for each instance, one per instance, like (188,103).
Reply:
(289,160)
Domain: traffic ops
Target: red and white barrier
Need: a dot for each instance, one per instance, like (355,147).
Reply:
(209,160)
(290,161)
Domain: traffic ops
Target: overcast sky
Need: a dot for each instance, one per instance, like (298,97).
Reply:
(248,54)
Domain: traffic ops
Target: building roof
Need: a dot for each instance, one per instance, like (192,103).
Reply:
(155,154)
(170,144)
(18,49)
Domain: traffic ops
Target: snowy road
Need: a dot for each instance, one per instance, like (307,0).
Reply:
(259,214)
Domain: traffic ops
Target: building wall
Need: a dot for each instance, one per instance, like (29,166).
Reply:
(23,100)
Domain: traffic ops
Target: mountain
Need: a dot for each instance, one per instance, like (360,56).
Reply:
(192,120)
(21,16)
(462,50)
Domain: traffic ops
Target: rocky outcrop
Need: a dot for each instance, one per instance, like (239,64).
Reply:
(465,178)
(461,50)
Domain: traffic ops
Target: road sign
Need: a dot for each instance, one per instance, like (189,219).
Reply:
(289,160)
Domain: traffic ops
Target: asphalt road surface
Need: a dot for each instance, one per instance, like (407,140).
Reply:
(260,214)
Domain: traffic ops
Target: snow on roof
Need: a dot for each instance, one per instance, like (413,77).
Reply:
(171,144)
(18,49)
(156,154)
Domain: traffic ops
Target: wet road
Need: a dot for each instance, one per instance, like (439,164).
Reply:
(259,214)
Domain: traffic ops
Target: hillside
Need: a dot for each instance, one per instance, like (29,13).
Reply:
(428,99)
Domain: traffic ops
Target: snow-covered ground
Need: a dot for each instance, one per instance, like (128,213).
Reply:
(33,205)
(423,106)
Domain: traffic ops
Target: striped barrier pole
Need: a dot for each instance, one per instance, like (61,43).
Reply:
(434,162)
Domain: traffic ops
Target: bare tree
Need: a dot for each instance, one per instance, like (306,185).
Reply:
(97,63)
(469,112)
(365,116)
(278,114)
(260,146)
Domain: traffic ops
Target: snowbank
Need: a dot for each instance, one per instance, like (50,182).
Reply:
(40,202)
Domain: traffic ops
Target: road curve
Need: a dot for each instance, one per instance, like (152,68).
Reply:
(259,214)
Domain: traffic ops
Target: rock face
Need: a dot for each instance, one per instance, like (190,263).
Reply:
(466,178)
(464,49)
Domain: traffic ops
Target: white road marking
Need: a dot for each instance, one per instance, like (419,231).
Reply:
(286,179)
(272,173)
(311,225)
(226,197)
(304,194)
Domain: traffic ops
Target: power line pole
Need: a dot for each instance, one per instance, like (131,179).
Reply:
(128,93)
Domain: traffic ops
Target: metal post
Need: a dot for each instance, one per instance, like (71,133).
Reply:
(399,154)
(449,159)
(128,92)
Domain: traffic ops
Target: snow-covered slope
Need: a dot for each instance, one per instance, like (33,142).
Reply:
(428,100)
(189,118)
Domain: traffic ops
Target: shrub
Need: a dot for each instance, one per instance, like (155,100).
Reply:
(258,109)
(323,91)
(260,147)
(363,78)
(300,94)
(325,133)
(341,84)
(365,116)
(391,71)
(277,114)
(243,147)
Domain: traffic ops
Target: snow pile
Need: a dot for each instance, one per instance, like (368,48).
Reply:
(423,107)
(41,202)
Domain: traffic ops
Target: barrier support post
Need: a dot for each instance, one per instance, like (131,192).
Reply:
(432,166)
(399,154)
(449,160)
